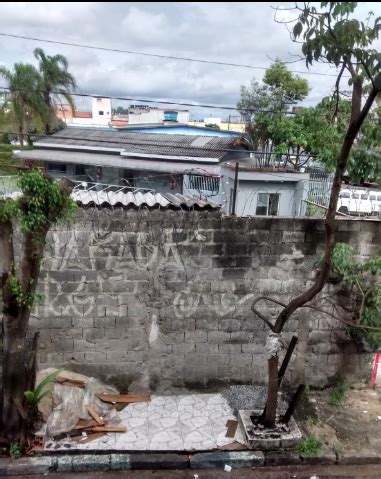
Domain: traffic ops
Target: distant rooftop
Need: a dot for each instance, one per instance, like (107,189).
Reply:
(127,142)
(180,129)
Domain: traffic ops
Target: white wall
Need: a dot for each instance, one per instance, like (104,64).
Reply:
(183,117)
(136,117)
(145,116)
(212,121)
(101,105)
(291,192)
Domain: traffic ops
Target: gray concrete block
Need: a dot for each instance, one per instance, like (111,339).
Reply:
(156,461)
(282,458)
(91,463)
(197,336)
(350,457)
(218,337)
(63,463)
(95,357)
(235,459)
(27,465)
(120,462)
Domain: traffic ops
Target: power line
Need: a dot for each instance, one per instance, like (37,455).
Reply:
(156,55)
(142,100)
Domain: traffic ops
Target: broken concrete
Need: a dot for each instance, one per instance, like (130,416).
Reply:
(281,437)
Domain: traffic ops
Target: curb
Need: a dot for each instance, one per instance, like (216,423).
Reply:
(91,462)
(235,459)
(128,461)
(327,457)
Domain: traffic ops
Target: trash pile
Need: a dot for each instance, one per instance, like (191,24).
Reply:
(81,408)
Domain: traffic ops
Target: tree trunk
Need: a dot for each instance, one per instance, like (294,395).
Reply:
(49,112)
(15,325)
(272,393)
(14,378)
(330,221)
(21,136)
(357,119)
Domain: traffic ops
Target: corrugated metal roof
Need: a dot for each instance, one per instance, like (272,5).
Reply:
(140,199)
(135,142)
(134,199)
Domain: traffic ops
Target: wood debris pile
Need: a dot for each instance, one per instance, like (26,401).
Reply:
(83,409)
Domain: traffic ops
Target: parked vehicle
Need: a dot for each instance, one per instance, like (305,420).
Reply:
(375,201)
(359,202)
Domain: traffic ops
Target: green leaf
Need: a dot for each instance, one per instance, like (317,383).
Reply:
(30,397)
(298,28)
(50,378)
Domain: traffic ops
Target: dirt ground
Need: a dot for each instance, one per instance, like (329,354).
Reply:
(353,425)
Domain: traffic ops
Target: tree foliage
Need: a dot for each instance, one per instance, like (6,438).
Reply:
(29,107)
(56,81)
(330,35)
(269,101)
(27,111)
(364,280)
(43,202)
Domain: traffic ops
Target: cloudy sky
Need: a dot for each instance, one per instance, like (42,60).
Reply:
(228,32)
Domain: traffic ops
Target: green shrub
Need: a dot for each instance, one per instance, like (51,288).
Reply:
(338,393)
(15,450)
(310,446)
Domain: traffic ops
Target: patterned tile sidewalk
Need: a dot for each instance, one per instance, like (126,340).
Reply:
(176,423)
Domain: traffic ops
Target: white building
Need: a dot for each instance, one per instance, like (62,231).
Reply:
(143,115)
(101,111)
(100,114)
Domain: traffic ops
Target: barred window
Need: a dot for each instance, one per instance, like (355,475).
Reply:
(203,183)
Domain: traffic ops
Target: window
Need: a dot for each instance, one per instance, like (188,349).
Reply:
(170,116)
(57,167)
(379,198)
(356,196)
(267,204)
(80,170)
(101,112)
(372,197)
(204,183)
(364,196)
(345,194)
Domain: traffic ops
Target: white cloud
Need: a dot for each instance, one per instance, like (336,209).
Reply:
(145,27)
(228,32)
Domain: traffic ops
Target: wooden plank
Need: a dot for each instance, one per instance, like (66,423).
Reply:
(73,384)
(66,381)
(85,424)
(232,428)
(88,438)
(340,213)
(95,416)
(123,398)
(109,429)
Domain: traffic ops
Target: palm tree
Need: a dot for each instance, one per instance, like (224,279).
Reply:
(24,103)
(55,81)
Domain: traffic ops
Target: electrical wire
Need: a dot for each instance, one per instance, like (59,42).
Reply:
(156,55)
(162,102)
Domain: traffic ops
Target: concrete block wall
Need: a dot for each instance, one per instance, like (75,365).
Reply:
(161,300)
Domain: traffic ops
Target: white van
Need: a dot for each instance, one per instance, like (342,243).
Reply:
(375,201)
(355,203)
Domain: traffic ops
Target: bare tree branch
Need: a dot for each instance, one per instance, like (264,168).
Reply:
(260,315)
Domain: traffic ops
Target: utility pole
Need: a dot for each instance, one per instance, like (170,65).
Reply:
(235,188)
